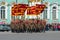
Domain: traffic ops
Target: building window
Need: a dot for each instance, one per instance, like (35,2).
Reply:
(54,13)
(45,13)
(2,12)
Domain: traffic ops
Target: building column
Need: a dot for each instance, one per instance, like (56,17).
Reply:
(48,11)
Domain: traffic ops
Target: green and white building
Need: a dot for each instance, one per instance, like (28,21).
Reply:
(51,13)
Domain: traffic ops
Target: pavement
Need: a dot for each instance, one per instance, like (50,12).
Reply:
(48,35)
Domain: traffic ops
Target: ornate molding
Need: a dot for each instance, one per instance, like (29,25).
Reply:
(3,3)
(53,4)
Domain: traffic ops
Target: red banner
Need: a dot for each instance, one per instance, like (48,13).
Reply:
(31,10)
(19,9)
(40,8)
(36,10)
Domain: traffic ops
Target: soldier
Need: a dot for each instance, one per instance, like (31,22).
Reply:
(12,27)
(43,25)
(26,26)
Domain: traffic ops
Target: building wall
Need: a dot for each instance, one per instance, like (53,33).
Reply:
(49,15)
(7,14)
(51,4)
(7,19)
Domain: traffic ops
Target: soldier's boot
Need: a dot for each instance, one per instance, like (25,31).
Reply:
(11,30)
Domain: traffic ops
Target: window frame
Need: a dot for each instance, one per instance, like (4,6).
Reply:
(45,13)
(2,12)
(54,13)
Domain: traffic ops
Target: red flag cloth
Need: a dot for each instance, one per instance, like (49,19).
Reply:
(31,10)
(19,9)
(35,10)
(40,8)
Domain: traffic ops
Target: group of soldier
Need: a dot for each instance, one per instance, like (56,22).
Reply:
(31,25)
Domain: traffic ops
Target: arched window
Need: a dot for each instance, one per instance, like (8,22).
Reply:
(2,12)
(2,7)
(45,13)
(54,12)
(54,7)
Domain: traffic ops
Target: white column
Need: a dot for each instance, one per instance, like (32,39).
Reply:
(48,12)
(6,12)
(10,12)
(0,12)
(57,12)
(30,4)
(33,3)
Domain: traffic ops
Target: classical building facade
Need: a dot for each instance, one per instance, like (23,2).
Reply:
(51,12)
(5,10)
